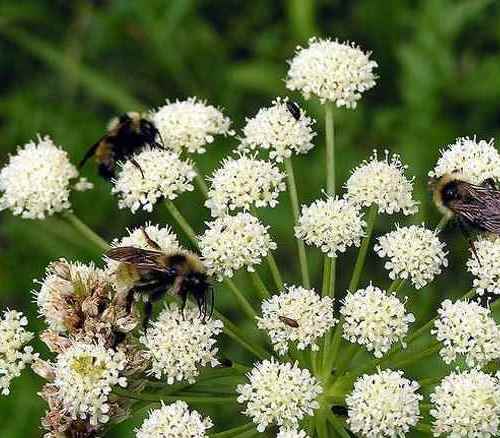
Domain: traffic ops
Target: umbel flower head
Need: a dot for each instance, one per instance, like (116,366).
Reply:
(291,433)
(312,313)
(275,128)
(233,242)
(468,329)
(13,354)
(375,319)
(331,72)
(180,342)
(189,125)
(474,160)
(384,404)
(466,404)
(414,253)
(383,183)
(278,393)
(331,224)
(244,182)
(487,271)
(85,374)
(166,176)
(174,421)
(36,182)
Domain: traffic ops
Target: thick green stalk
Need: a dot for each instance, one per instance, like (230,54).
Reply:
(415,357)
(327,274)
(234,432)
(275,272)
(259,284)
(183,223)
(337,425)
(189,398)
(330,149)
(396,285)
(202,185)
(84,230)
(241,299)
(294,199)
(363,250)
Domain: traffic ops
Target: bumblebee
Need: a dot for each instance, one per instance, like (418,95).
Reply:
(126,135)
(293,109)
(158,272)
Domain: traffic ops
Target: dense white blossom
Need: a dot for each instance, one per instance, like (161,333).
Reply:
(14,355)
(332,72)
(331,224)
(174,421)
(468,329)
(383,183)
(233,242)
(291,433)
(375,319)
(36,182)
(384,404)
(486,270)
(179,343)
(278,393)
(414,253)
(190,125)
(275,128)
(244,182)
(472,160)
(312,313)
(466,405)
(164,176)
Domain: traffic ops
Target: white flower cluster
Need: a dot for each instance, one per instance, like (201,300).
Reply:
(375,319)
(232,242)
(414,253)
(332,72)
(243,183)
(291,433)
(85,374)
(466,328)
(331,224)
(180,342)
(486,270)
(383,183)
(13,357)
(36,181)
(166,176)
(174,421)
(190,125)
(466,405)
(278,393)
(312,314)
(383,405)
(275,128)
(474,161)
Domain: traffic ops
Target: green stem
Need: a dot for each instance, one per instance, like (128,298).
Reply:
(234,432)
(292,190)
(259,284)
(327,273)
(415,357)
(330,149)
(337,425)
(241,299)
(200,182)
(346,358)
(396,285)
(84,230)
(275,272)
(363,250)
(190,398)
(183,223)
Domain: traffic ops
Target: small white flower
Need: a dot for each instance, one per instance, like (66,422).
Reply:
(383,183)
(474,160)
(13,357)
(179,343)
(312,313)
(233,242)
(190,125)
(291,433)
(487,270)
(85,374)
(166,176)
(278,393)
(174,421)
(121,275)
(276,129)
(64,282)
(466,328)
(466,405)
(244,182)
(83,185)
(36,181)
(332,72)
(331,224)
(375,319)
(414,253)
(383,405)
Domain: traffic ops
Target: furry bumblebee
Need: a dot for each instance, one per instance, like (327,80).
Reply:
(126,135)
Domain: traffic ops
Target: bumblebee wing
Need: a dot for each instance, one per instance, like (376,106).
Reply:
(141,258)
(91,152)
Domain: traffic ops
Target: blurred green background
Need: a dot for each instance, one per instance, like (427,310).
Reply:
(67,67)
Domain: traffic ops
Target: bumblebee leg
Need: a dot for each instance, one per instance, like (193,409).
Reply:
(465,230)
(136,164)
(212,302)
(148,313)
(118,338)
(106,171)
(183,305)
(130,299)
(151,242)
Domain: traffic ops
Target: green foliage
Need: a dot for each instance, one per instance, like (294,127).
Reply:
(67,67)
